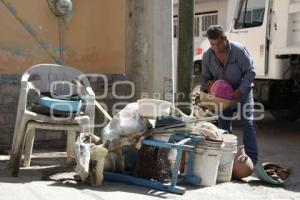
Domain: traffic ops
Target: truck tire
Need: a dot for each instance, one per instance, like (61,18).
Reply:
(291,114)
(284,104)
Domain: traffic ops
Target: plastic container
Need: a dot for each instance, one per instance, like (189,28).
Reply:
(153,108)
(213,103)
(222,89)
(98,154)
(172,152)
(162,137)
(60,105)
(172,157)
(227,158)
(261,173)
(123,124)
(206,162)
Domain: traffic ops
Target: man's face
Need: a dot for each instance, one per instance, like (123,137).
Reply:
(218,45)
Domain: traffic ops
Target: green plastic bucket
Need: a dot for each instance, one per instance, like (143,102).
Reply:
(261,173)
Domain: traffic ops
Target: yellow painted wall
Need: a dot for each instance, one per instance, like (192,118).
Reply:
(94,40)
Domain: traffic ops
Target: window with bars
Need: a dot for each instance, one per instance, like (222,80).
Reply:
(251,14)
(208,20)
(196,26)
(247,17)
(201,24)
(258,15)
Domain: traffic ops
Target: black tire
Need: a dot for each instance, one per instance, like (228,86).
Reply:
(285,114)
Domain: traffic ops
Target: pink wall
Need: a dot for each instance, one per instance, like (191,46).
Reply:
(94,39)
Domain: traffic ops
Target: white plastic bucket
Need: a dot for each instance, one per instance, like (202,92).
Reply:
(153,107)
(172,157)
(172,153)
(162,137)
(206,162)
(227,158)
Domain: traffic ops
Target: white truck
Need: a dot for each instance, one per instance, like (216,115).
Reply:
(270,30)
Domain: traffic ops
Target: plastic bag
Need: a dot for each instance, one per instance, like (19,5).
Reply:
(81,150)
(124,124)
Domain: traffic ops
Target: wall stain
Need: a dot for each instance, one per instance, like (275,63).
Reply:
(18,54)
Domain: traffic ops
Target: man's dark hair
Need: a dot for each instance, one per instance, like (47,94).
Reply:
(214,32)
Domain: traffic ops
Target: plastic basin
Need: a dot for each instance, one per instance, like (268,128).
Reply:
(60,105)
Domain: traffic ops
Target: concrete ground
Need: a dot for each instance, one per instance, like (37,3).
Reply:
(278,142)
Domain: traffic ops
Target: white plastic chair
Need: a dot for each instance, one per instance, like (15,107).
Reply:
(42,78)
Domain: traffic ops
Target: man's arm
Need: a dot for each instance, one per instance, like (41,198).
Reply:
(206,76)
(248,71)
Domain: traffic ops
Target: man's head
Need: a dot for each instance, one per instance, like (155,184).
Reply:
(217,38)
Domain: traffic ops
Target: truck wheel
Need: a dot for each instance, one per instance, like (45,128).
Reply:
(284,104)
(285,114)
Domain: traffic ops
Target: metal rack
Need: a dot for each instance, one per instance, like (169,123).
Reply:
(180,142)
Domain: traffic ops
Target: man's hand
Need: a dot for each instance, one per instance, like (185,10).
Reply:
(210,83)
(236,94)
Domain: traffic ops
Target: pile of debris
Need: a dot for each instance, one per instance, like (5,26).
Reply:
(125,132)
